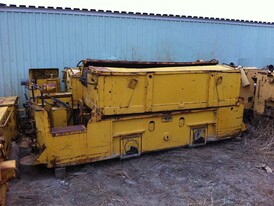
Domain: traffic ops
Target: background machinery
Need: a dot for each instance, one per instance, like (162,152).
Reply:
(257,91)
(8,130)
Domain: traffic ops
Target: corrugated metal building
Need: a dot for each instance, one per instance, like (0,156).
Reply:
(46,37)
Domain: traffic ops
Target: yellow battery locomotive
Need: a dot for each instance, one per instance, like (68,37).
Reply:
(124,109)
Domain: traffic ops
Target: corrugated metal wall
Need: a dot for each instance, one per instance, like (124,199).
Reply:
(52,38)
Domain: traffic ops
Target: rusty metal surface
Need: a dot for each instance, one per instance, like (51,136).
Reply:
(142,64)
(28,160)
(43,73)
(156,70)
(68,130)
(7,170)
(8,101)
(56,95)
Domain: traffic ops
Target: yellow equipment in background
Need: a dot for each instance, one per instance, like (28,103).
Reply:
(71,77)
(47,79)
(248,90)
(129,109)
(8,130)
(8,124)
(44,90)
(7,172)
(258,95)
(264,96)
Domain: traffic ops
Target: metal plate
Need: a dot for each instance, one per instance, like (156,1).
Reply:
(28,160)
(8,101)
(3,112)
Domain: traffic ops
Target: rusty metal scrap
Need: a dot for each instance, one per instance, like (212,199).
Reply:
(142,64)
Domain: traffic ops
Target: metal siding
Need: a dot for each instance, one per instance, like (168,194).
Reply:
(41,39)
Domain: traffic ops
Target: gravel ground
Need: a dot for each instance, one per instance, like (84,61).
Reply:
(223,173)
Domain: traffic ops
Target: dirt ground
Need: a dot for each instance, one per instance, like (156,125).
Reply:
(229,172)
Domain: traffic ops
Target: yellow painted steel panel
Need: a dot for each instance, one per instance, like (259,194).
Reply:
(3,112)
(110,138)
(8,128)
(59,117)
(247,92)
(7,172)
(264,97)
(229,119)
(71,78)
(117,91)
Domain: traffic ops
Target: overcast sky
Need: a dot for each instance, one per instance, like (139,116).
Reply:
(262,10)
